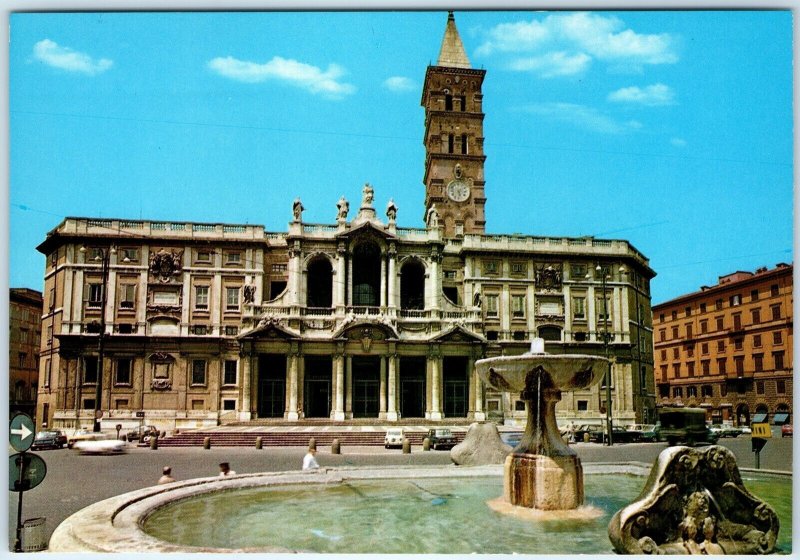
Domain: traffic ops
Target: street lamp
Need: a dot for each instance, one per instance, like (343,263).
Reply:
(103,257)
(603,276)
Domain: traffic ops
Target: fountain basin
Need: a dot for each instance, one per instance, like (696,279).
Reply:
(344,510)
(566,372)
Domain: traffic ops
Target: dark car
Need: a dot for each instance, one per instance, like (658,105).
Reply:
(786,430)
(618,435)
(441,438)
(141,432)
(49,439)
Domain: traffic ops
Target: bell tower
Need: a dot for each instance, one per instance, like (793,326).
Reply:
(453,140)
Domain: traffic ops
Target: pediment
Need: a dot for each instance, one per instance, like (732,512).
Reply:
(458,333)
(366,329)
(367,227)
(271,328)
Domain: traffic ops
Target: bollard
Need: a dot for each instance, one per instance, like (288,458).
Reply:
(154,441)
(259,442)
(585,437)
(426,444)
(206,442)
(336,447)
(406,446)
(312,444)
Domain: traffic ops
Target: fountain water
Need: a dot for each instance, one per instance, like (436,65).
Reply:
(542,472)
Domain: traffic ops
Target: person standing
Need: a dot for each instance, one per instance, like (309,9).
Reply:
(166,476)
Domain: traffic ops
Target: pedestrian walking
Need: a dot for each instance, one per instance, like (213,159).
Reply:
(225,470)
(309,461)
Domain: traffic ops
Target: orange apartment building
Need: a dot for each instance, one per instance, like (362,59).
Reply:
(728,347)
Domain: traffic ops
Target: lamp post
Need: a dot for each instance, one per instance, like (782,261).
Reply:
(603,276)
(103,257)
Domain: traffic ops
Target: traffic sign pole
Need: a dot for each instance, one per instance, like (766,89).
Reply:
(18,541)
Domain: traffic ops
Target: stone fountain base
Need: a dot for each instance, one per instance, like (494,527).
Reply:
(544,483)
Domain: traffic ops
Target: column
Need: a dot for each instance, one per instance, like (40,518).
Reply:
(383,283)
(382,388)
(436,381)
(338,404)
(349,266)
(435,281)
(294,276)
(392,297)
(391,412)
(341,276)
(292,387)
(301,374)
(247,367)
(348,388)
(591,317)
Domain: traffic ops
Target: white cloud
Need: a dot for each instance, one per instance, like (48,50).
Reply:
(298,74)
(679,142)
(53,54)
(553,64)
(657,94)
(399,84)
(582,116)
(581,36)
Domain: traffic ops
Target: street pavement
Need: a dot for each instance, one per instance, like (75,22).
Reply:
(75,481)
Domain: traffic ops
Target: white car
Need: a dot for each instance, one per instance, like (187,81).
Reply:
(393,438)
(102,444)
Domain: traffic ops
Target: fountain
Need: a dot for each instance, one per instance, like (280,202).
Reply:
(542,472)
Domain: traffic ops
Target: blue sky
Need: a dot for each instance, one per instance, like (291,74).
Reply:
(671,129)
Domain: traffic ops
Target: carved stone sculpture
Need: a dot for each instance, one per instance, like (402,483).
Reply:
(391,210)
(367,195)
(342,208)
(249,293)
(297,210)
(165,264)
(695,502)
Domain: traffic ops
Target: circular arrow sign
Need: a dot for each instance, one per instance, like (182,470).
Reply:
(21,433)
(25,471)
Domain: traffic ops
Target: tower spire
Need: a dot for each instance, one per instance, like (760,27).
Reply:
(452,53)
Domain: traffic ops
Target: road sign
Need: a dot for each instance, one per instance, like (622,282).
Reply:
(21,433)
(761,430)
(32,468)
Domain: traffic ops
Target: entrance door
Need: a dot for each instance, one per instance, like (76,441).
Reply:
(317,387)
(271,386)
(366,387)
(318,398)
(412,387)
(456,388)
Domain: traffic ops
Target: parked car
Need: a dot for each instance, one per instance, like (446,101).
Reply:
(101,444)
(786,430)
(49,439)
(647,432)
(619,435)
(80,435)
(590,429)
(441,438)
(746,430)
(393,438)
(725,430)
(141,433)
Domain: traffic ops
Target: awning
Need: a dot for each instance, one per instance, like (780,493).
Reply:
(759,418)
(780,418)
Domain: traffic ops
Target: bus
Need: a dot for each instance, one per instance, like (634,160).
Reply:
(684,425)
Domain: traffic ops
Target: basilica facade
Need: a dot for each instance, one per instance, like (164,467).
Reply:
(357,320)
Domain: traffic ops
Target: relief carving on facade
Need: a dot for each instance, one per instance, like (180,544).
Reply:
(548,277)
(165,265)
(161,384)
(249,293)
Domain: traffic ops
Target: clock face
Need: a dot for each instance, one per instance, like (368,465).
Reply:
(458,190)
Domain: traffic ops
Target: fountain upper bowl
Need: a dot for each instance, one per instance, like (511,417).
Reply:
(567,372)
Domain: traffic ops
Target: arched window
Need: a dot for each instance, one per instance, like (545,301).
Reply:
(366,275)
(412,285)
(319,283)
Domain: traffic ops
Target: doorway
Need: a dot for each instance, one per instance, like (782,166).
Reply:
(271,385)
(412,387)
(456,387)
(317,387)
(366,386)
